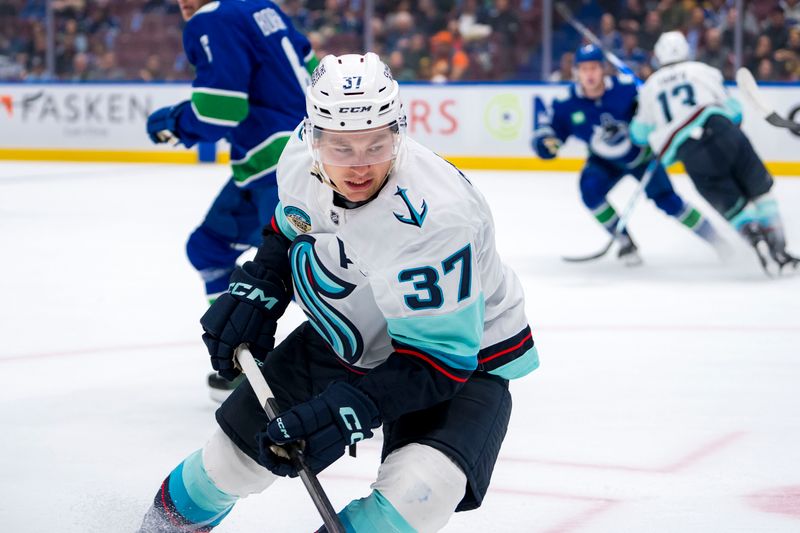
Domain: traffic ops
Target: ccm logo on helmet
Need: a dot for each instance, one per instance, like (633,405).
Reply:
(357,109)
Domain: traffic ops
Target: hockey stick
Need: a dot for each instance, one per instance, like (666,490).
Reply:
(622,222)
(265,397)
(587,34)
(747,84)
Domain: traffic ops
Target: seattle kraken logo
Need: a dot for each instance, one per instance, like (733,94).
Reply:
(415,217)
(313,281)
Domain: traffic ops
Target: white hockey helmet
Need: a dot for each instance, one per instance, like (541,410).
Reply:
(671,47)
(355,117)
(352,92)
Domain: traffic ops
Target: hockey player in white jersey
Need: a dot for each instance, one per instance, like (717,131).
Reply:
(686,114)
(414,323)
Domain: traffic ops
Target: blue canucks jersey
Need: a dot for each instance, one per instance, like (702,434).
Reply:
(252,68)
(602,123)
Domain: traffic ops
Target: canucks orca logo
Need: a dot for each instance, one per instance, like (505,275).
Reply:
(610,139)
(313,282)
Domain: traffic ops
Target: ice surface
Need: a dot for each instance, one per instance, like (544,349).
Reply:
(667,399)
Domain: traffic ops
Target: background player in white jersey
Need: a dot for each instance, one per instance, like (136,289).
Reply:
(686,114)
(414,323)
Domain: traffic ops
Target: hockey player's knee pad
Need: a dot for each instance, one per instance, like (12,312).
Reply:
(207,250)
(232,470)
(423,484)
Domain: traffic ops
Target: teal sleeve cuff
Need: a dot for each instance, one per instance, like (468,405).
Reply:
(639,132)
(733,109)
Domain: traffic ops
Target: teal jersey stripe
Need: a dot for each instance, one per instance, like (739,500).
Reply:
(680,137)
(260,160)
(734,108)
(194,494)
(519,367)
(373,513)
(283,224)
(453,338)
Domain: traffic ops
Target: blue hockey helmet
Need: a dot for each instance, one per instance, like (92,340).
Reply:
(589,52)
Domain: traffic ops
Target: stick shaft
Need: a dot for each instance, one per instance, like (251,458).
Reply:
(266,399)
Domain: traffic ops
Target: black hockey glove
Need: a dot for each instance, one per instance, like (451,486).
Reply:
(327,424)
(247,313)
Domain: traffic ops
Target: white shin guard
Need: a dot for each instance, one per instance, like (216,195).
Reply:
(232,470)
(423,484)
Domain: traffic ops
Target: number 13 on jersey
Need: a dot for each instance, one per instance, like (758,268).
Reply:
(425,281)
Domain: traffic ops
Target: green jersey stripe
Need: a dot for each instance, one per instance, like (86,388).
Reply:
(263,159)
(218,107)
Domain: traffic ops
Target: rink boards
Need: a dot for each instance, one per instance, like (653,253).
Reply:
(476,126)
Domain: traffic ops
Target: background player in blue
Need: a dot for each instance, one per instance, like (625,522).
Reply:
(598,111)
(252,68)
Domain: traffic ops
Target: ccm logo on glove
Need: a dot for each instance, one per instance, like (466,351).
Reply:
(240,289)
(347,413)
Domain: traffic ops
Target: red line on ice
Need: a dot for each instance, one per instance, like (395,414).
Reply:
(101,349)
(681,463)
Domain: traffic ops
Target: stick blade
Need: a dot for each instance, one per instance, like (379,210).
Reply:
(747,84)
(592,257)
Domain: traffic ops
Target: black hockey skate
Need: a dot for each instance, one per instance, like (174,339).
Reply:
(757,237)
(220,388)
(628,252)
(777,250)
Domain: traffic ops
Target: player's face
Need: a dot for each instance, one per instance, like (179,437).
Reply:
(590,76)
(189,7)
(357,162)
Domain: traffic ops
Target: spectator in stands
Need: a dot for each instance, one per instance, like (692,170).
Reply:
(448,62)
(762,52)
(785,65)
(695,30)
(565,70)
(776,28)
(37,71)
(714,53)
(152,70)
(632,15)
(431,19)
(631,54)
(674,15)
(400,29)
(791,10)
(794,40)
(715,13)
(400,71)
(765,70)
(652,30)
(469,26)
(609,36)
(504,24)
(645,71)
(80,67)
(106,68)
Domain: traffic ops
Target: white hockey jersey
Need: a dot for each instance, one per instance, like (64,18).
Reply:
(675,102)
(413,271)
